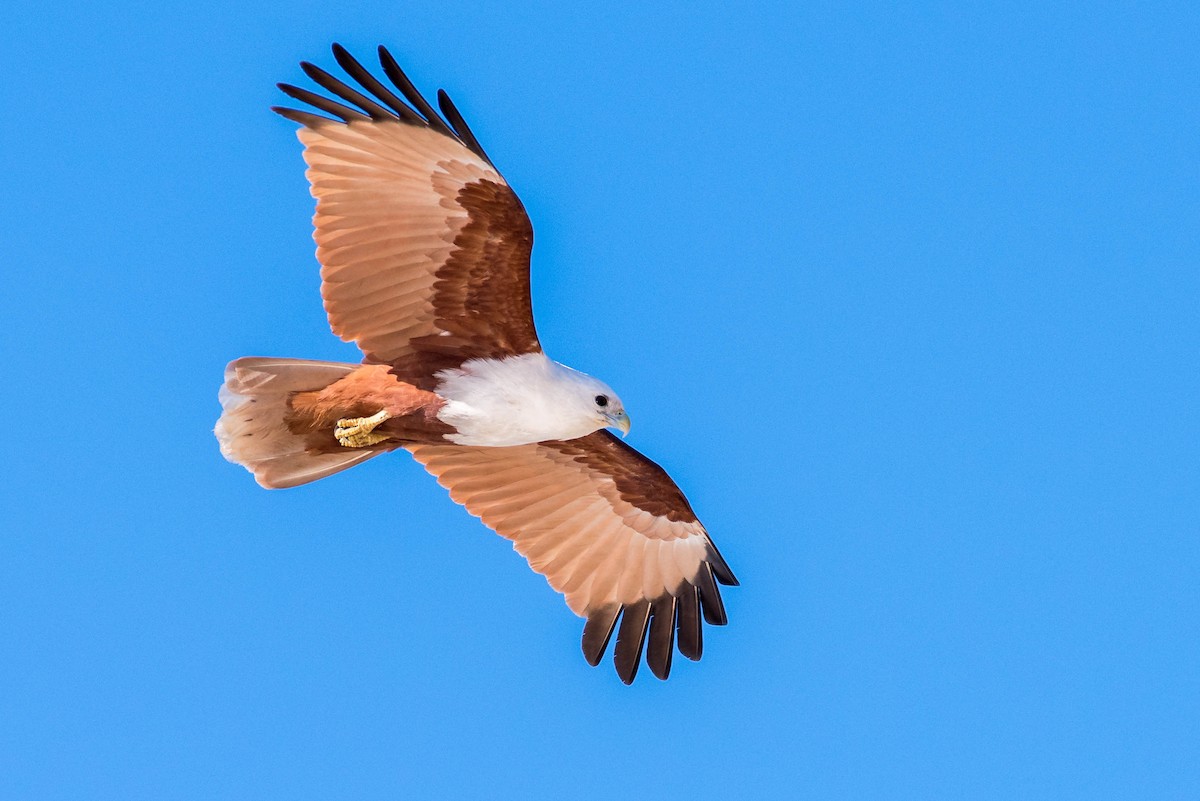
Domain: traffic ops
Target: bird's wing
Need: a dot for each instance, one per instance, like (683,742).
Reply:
(424,248)
(607,528)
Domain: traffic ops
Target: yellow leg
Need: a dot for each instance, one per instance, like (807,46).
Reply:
(356,432)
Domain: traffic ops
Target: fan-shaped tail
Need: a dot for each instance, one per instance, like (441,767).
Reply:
(253,431)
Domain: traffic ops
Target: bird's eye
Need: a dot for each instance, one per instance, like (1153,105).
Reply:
(601,401)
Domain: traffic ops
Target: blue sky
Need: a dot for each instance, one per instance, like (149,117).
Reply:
(904,298)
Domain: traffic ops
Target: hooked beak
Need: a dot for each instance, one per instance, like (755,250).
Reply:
(620,420)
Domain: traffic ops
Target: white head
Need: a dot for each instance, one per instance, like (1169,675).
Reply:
(595,402)
(522,399)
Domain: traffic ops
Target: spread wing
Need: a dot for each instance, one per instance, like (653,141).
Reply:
(608,529)
(424,248)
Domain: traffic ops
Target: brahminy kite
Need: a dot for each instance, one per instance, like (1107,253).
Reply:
(424,253)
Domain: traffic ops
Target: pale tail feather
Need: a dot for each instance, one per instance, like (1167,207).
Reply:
(252,432)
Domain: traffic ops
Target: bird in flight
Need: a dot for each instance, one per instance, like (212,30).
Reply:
(424,252)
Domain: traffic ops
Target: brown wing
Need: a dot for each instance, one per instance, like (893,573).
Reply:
(608,529)
(424,248)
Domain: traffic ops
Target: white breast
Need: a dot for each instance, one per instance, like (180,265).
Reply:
(516,400)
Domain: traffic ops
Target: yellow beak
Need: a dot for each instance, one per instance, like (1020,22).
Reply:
(620,421)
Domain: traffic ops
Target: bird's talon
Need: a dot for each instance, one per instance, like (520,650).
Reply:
(358,432)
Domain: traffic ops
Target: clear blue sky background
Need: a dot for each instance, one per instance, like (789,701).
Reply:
(906,299)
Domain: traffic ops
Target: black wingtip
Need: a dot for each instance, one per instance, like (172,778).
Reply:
(689,629)
(631,638)
(347,92)
(661,643)
(322,103)
(372,84)
(710,597)
(380,104)
(391,68)
(597,631)
(452,115)
(721,567)
(305,118)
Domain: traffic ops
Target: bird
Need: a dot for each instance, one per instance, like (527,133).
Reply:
(425,254)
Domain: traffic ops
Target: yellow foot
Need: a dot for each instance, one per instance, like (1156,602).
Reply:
(356,432)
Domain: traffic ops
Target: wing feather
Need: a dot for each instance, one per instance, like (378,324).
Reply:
(424,247)
(332,84)
(597,631)
(607,528)
(661,642)
(369,82)
(631,637)
(690,632)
